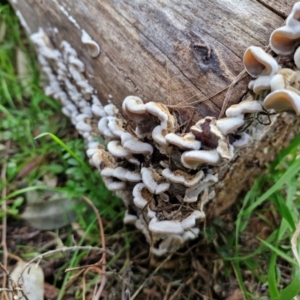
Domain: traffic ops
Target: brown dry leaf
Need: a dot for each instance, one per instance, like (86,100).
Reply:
(31,165)
(51,292)
(236,295)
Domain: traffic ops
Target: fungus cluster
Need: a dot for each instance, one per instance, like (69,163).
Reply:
(163,175)
(282,82)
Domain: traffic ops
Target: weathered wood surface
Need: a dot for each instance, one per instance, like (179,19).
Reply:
(148,50)
(148,47)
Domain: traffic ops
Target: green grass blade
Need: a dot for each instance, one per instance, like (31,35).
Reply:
(30,188)
(286,177)
(293,289)
(272,282)
(284,210)
(239,277)
(63,145)
(279,252)
(292,147)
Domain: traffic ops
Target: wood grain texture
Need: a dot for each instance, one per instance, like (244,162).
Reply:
(280,7)
(148,47)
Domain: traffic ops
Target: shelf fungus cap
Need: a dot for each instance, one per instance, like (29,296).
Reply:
(154,182)
(225,149)
(277,83)
(98,110)
(285,39)
(192,193)
(102,159)
(187,141)
(229,125)
(244,107)
(182,177)
(117,150)
(141,196)
(110,109)
(284,78)
(126,175)
(115,126)
(135,146)
(159,110)
(190,221)
(207,132)
(113,185)
(257,62)
(165,227)
(93,48)
(283,100)
(82,126)
(134,108)
(107,171)
(261,84)
(158,135)
(104,129)
(193,159)
(91,151)
(297,58)
(129,218)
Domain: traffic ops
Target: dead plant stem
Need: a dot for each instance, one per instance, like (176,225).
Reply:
(4,219)
(102,261)
(148,278)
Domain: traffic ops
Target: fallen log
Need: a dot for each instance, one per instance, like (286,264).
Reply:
(183,62)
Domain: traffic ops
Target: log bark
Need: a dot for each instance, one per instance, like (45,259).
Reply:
(183,53)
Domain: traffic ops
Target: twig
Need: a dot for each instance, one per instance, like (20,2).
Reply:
(147,279)
(229,91)
(102,261)
(15,288)
(15,257)
(4,219)
(63,249)
(181,287)
(167,291)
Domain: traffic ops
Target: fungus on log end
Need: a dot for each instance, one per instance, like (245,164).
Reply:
(172,162)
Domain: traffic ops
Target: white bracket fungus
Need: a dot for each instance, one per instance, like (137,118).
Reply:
(244,107)
(154,182)
(182,177)
(285,39)
(92,47)
(193,159)
(187,141)
(283,100)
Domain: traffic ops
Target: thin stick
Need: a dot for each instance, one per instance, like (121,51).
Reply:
(103,258)
(147,279)
(4,219)
(238,78)
(197,101)
(168,291)
(59,250)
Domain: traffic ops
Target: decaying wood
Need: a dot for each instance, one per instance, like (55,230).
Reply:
(181,53)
